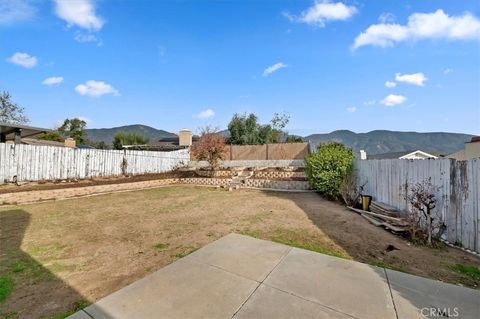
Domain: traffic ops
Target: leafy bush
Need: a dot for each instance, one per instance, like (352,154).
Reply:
(328,167)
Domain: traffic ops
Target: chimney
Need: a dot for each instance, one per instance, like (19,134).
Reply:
(185,137)
(70,142)
(363,155)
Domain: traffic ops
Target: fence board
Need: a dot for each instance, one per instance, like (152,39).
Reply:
(37,162)
(457,197)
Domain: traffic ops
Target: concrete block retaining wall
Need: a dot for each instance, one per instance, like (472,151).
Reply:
(251,163)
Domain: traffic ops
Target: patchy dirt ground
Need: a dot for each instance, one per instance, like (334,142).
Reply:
(46,185)
(57,256)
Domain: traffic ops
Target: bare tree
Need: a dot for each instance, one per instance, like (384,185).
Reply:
(423,218)
(11,112)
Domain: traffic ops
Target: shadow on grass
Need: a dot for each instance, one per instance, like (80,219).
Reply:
(27,288)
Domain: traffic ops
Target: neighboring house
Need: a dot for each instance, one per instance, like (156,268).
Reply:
(14,133)
(471,150)
(22,134)
(418,154)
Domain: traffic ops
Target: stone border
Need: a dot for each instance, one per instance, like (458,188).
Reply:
(251,163)
(72,192)
(468,251)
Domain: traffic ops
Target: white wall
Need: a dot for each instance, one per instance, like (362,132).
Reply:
(36,162)
(458,196)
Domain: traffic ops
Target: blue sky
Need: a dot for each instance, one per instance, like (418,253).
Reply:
(175,64)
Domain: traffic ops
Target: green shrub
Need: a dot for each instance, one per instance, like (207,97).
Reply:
(328,167)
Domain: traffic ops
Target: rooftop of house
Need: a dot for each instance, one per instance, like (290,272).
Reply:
(8,130)
(396,155)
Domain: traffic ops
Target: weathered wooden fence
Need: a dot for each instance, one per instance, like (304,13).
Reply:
(36,163)
(458,194)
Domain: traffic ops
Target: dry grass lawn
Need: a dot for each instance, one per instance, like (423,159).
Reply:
(56,257)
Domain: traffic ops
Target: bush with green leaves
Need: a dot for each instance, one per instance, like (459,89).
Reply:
(328,167)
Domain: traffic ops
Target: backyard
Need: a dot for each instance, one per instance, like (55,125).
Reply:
(59,256)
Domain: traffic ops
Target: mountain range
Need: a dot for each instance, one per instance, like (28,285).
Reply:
(383,141)
(374,142)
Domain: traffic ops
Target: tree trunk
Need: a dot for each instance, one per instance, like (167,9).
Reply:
(429,229)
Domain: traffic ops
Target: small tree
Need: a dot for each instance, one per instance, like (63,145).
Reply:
(328,167)
(51,136)
(350,189)
(279,123)
(210,147)
(122,138)
(11,112)
(423,218)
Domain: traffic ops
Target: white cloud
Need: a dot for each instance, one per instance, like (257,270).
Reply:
(414,79)
(386,17)
(323,11)
(13,11)
(53,80)
(87,37)
(370,102)
(23,59)
(95,88)
(274,68)
(436,25)
(206,114)
(352,109)
(393,99)
(80,13)
(447,71)
(390,84)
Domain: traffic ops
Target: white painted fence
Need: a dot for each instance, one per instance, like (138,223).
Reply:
(36,163)
(458,196)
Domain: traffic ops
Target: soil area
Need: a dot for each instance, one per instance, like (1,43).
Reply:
(58,256)
(46,185)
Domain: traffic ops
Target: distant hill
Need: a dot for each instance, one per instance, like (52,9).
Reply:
(107,134)
(374,142)
(382,141)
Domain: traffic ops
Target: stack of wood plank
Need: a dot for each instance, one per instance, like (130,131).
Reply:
(383,215)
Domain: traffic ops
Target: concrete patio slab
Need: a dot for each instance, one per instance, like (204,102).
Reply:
(269,302)
(353,288)
(242,277)
(416,296)
(242,255)
(184,289)
(80,315)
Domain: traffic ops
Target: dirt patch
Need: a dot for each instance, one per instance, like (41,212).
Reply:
(69,253)
(46,185)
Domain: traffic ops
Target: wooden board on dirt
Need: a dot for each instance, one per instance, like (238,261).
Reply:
(392,220)
(384,206)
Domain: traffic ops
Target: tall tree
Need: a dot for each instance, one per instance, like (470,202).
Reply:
(11,112)
(245,129)
(74,128)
